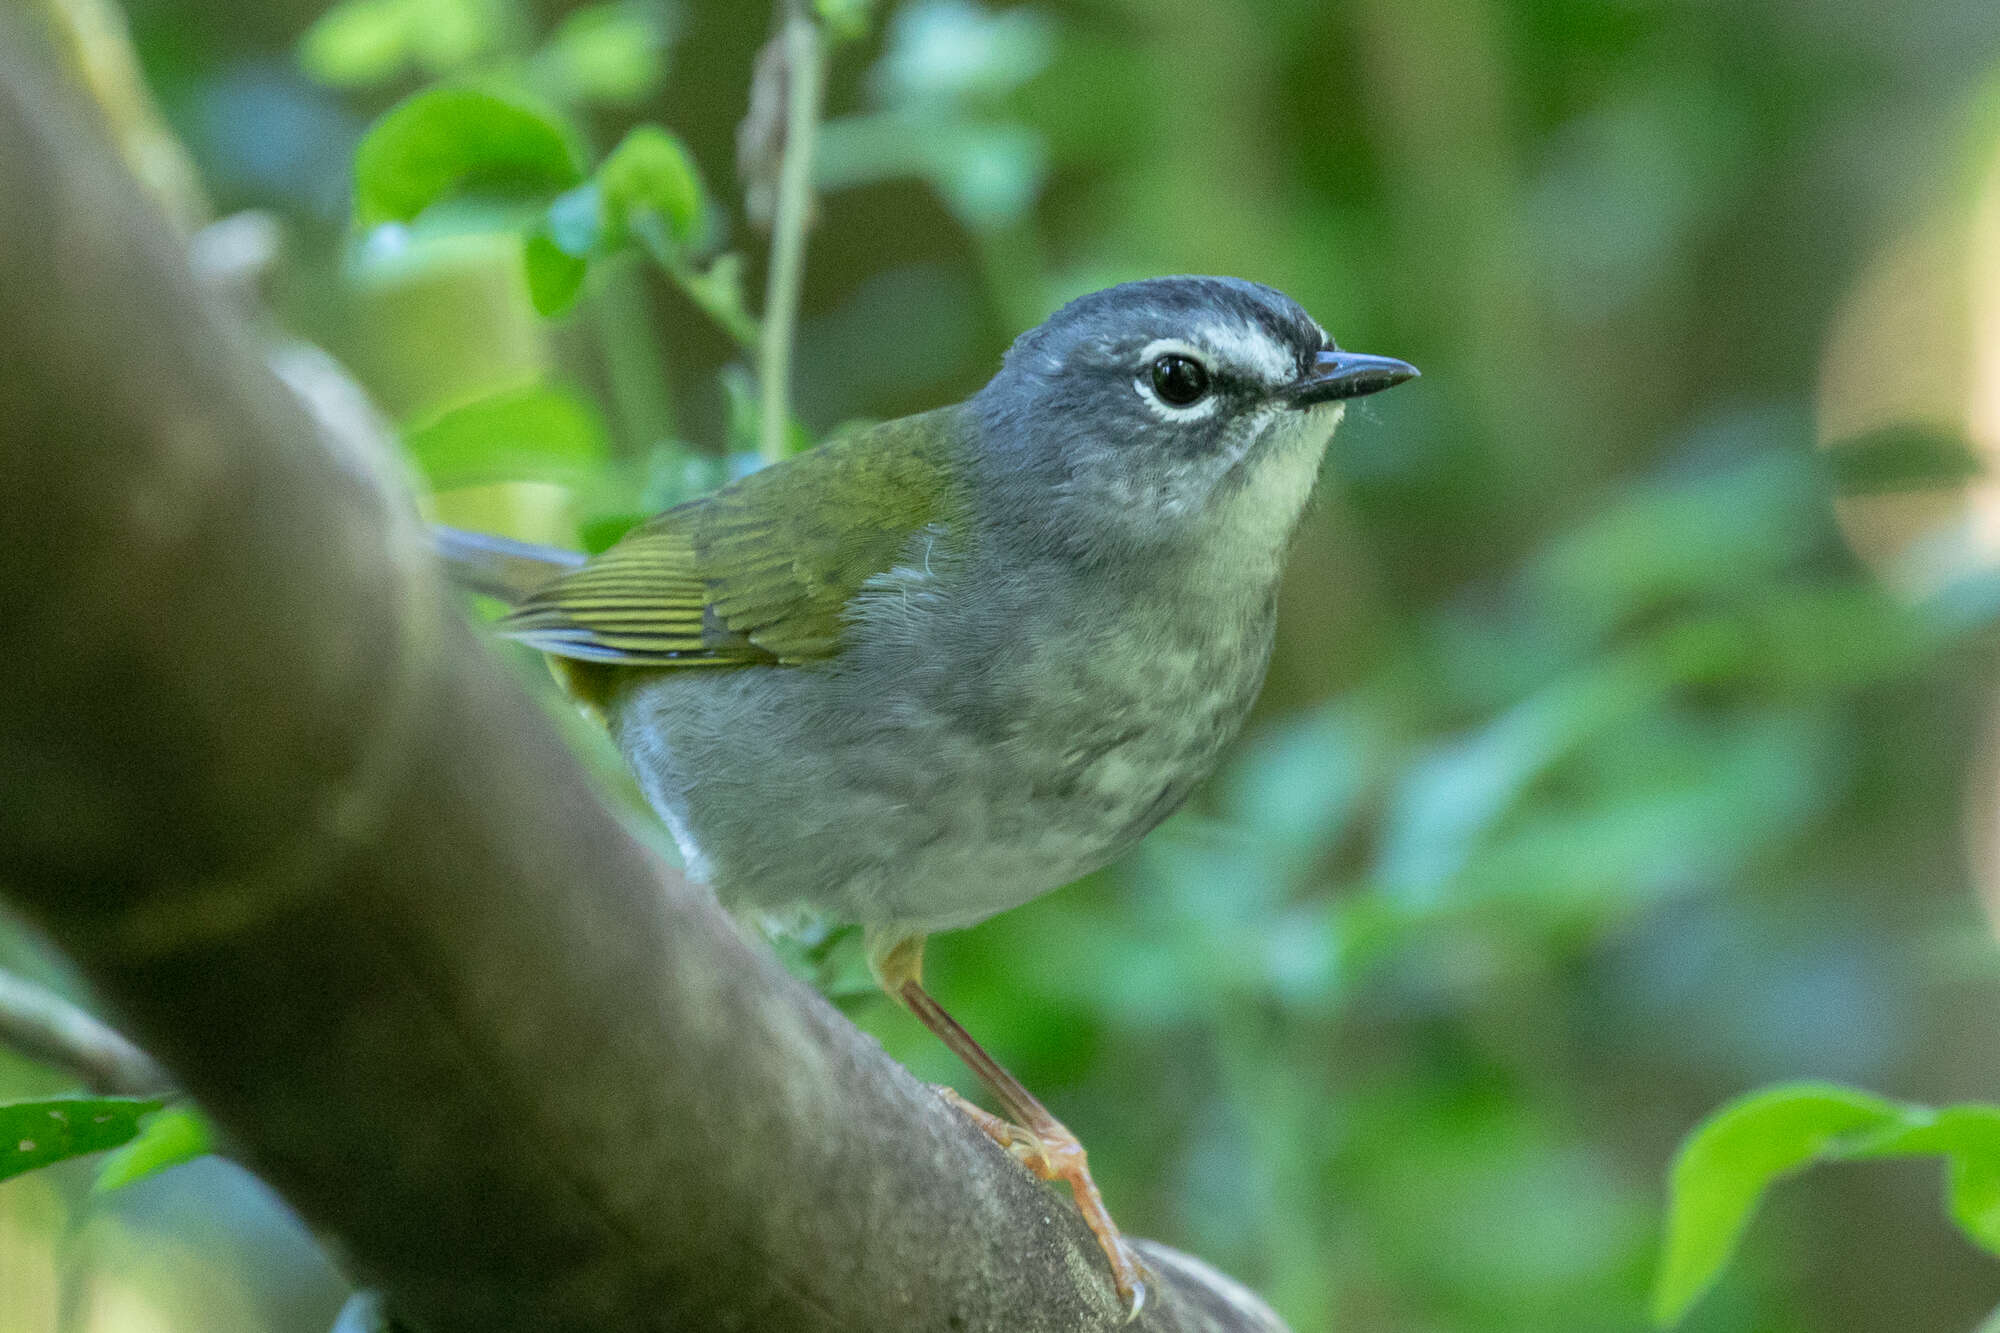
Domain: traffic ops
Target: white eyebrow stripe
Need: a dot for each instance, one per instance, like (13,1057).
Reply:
(1253,349)
(1160,347)
(1239,347)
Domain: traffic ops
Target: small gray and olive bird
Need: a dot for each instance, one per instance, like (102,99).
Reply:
(935,668)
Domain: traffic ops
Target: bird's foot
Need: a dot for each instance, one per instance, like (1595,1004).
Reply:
(1053,1153)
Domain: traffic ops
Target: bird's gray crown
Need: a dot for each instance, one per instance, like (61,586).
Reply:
(1249,331)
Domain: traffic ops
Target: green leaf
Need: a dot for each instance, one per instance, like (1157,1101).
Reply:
(1969,1138)
(647,180)
(175,1135)
(602,532)
(36,1134)
(845,20)
(1726,1165)
(1973,1194)
(650,171)
(554,275)
(455,141)
(531,434)
(357,43)
(609,52)
(558,249)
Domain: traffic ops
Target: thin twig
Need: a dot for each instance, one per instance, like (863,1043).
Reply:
(805,67)
(44,1026)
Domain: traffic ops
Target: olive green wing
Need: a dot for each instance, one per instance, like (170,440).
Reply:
(762,570)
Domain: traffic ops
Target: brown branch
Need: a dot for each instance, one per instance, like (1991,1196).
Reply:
(334,870)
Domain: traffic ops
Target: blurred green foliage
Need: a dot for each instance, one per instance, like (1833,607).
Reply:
(166,1137)
(1596,782)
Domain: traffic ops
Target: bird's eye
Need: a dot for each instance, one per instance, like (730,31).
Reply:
(1179,380)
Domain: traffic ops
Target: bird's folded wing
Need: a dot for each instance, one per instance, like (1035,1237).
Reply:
(761,571)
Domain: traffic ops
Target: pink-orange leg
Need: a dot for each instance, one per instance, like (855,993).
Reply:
(1030,1133)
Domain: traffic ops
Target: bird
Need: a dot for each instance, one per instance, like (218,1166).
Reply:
(939,666)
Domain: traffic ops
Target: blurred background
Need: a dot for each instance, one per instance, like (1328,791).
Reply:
(1629,739)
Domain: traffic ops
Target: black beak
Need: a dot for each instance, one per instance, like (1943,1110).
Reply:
(1349,375)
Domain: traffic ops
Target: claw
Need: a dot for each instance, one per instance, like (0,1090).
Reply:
(1055,1155)
(1135,1299)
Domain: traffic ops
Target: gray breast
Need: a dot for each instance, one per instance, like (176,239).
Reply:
(948,766)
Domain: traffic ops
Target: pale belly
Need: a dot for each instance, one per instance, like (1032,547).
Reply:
(913,805)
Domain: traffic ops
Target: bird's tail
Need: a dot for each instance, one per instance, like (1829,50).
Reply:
(499,566)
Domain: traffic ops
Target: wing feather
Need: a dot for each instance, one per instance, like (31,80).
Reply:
(762,570)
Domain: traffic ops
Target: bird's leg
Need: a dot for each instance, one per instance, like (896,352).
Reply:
(1029,1132)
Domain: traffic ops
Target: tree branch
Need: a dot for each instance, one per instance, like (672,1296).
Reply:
(336,872)
(43,1026)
